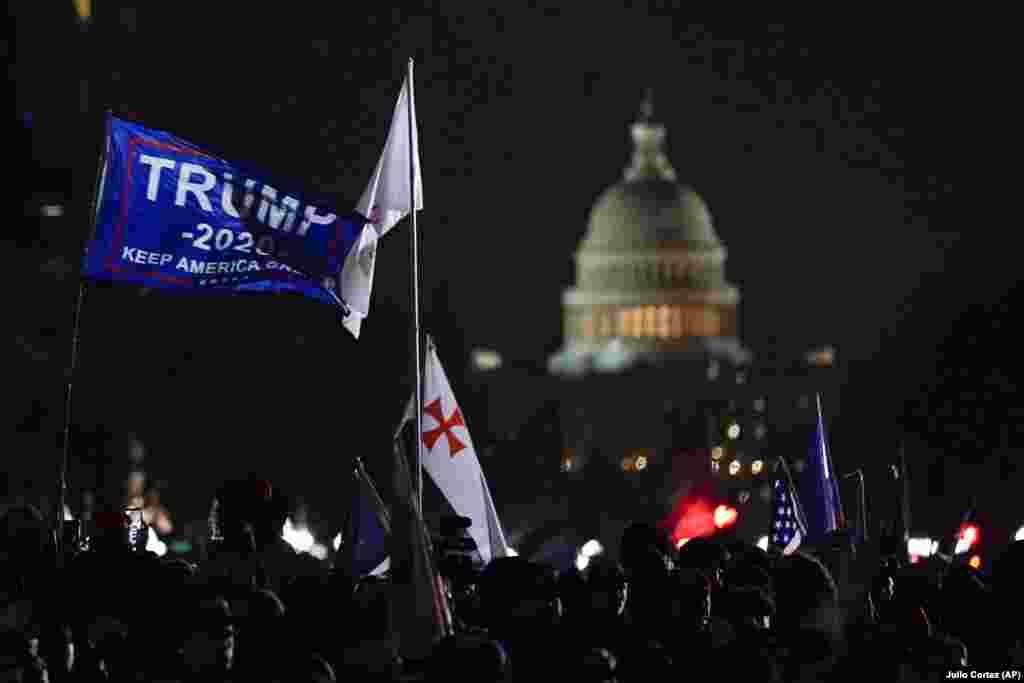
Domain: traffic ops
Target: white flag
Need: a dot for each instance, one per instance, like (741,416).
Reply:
(385,201)
(357,279)
(451,461)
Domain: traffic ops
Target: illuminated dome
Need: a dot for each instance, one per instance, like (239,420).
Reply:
(650,272)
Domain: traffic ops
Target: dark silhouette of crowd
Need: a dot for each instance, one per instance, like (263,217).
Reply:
(255,610)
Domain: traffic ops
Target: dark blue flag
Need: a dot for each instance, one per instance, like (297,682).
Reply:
(369,526)
(819,489)
(176,217)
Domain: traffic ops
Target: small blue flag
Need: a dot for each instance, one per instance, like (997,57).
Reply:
(176,217)
(369,526)
(819,489)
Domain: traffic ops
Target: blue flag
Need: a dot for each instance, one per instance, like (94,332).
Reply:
(173,216)
(819,489)
(369,526)
(789,528)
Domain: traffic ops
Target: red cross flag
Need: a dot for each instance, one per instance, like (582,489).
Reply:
(450,460)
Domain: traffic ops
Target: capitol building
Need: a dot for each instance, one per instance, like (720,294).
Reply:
(652,396)
(650,272)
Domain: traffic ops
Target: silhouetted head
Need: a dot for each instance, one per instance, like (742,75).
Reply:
(517,592)
(806,597)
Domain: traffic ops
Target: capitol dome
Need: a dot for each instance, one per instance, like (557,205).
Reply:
(650,271)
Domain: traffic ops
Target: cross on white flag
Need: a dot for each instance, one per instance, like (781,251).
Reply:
(451,461)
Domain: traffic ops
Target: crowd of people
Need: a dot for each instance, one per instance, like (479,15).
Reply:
(255,610)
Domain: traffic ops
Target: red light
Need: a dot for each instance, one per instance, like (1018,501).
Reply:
(725,516)
(914,559)
(975,562)
(969,534)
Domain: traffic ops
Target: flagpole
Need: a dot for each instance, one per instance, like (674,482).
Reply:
(76,327)
(418,361)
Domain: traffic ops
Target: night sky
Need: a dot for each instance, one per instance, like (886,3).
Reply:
(825,154)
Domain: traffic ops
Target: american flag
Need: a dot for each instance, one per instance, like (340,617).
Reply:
(788,526)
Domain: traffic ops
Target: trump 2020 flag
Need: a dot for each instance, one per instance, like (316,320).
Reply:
(788,526)
(173,216)
(450,460)
(819,489)
(386,200)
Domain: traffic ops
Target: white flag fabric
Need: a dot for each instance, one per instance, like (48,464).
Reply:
(386,198)
(451,461)
(385,201)
(357,279)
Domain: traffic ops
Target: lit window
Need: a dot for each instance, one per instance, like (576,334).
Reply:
(623,328)
(676,321)
(588,326)
(649,321)
(663,322)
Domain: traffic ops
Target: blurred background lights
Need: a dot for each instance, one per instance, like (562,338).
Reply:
(486,360)
(1019,536)
(588,551)
(975,562)
(717,452)
(734,467)
(756,467)
(733,432)
(154,544)
(924,547)
(762,543)
(725,515)
(302,540)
